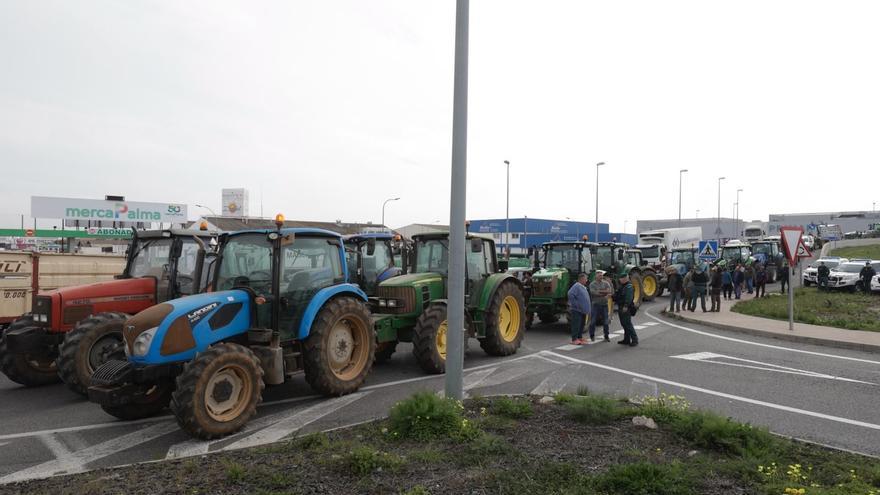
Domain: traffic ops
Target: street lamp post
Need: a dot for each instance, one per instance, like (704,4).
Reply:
(507,215)
(736,222)
(625,222)
(383,209)
(205,207)
(698,213)
(680,173)
(718,226)
(596,230)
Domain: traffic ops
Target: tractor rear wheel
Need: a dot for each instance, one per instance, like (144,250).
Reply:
(650,285)
(384,351)
(154,401)
(341,347)
(505,325)
(218,391)
(429,339)
(638,288)
(30,370)
(91,343)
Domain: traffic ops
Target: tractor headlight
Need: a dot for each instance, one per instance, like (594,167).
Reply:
(383,303)
(41,318)
(393,303)
(142,343)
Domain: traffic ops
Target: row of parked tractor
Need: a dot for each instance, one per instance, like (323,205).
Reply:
(201,322)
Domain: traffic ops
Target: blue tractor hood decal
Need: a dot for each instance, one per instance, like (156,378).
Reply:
(199,310)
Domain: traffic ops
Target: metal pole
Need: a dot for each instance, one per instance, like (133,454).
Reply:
(507,214)
(736,222)
(457,210)
(680,173)
(791,273)
(596,230)
(526,233)
(383,209)
(718,226)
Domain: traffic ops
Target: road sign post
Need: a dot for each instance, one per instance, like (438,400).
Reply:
(793,245)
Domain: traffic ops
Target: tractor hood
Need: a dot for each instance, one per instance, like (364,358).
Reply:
(549,273)
(412,279)
(69,305)
(120,289)
(172,326)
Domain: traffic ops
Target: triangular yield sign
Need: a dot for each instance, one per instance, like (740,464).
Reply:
(791,238)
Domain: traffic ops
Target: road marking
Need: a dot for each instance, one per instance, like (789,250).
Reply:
(76,462)
(710,357)
(640,327)
(545,358)
(769,346)
(59,451)
(295,421)
(568,347)
(650,323)
(508,375)
(747,400)
(554,383)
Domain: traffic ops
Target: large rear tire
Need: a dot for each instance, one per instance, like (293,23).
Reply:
(30,370)
(638,291)
(91,343)
(218,391)
(650,285)
(505,325)
(429,339)
(341,347)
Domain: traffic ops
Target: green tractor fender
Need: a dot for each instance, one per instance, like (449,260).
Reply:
(493,282)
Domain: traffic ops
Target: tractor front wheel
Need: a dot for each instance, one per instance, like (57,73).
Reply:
(429,339)
(91,343)
(218,391)
(30,370)
(341,347)
(650,285)
(505,325)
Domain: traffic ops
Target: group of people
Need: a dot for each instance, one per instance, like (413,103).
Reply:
(592,300)
(718,281)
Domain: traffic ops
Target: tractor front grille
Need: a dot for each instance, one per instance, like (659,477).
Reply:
(111,372)
(544,287)
(406,295)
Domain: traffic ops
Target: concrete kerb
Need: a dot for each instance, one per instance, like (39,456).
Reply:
(790,337)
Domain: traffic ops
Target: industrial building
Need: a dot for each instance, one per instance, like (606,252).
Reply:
(849,221)
(713,228)
(530,232)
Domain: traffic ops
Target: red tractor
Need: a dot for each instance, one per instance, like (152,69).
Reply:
(71,331)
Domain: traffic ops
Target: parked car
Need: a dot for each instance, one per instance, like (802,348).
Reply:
(875,284)
(846,275)
(810,276)
(809,242)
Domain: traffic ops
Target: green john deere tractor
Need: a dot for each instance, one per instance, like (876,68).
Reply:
(611,257)
(412,307)
(650,279)
(562,263)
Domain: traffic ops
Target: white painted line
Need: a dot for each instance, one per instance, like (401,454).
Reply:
(618,332)
(722,394)
(568,347)
(769,346)
(639,327)
(650,323)
(545,358)
(710,357)
(76,462)
(295,421)
(554,382)
(507,375)
(25,434)
(600,340)
(59,451)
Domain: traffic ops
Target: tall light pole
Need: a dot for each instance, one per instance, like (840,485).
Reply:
(698,213)
(507,214)
(383,209)
(624,226)
(205,207)
(680,173)
(457,208)
(718,231)
(736,222)
(596,230)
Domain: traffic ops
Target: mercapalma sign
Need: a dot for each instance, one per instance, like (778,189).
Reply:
(113,211)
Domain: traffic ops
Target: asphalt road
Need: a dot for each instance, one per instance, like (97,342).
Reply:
(828,396)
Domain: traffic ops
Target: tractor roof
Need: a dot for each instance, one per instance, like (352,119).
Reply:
(157,234)
(381,236)
(442,235)
(565,243)
(292,230)
(609,244)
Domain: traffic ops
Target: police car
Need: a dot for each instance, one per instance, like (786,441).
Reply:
(846,275)
(810,275)
(875,283)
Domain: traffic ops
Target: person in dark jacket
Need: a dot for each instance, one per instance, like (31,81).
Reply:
(688,287)
(760,281)
(624,299)
(822,274)
(715,289)
(782,275)
(727,283)
(579,306)
(701,284)
(674,286)
(866,274)
(739,278)
(750,277)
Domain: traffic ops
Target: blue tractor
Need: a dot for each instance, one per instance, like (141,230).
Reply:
(282,305)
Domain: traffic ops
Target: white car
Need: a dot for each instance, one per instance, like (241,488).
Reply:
(809,242)
(875,284)
(810,275)
(846,275)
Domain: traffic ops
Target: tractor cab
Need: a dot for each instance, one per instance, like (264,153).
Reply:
(609,256)
(562,262)
(683,259)
(634,258)
(371,258)
(431,256)
(736,252)
(574,257)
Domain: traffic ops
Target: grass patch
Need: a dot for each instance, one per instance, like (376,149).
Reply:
(833,309)
(363,460)
(595,409)
(235,472)
(483,450)
(519,408)
(425,416)
(709,430)
(645,478)
(871,251)
(665,408)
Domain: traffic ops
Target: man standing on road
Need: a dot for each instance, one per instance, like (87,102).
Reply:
(701,283)
(760,280)
(750,277)
(674,286)
(688,285)
(866,274)
(624,299)
(726,282)
(739,279)
(579,307)
(600,290)
(782,275)
(822,274)
(715,289)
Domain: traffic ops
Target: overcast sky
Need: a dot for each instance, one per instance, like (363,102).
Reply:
(326,108)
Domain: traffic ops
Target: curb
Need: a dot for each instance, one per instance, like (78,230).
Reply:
(853,346)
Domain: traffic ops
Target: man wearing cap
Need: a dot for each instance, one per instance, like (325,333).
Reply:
(866,274)
(624,299)
(600,291)
(822,274)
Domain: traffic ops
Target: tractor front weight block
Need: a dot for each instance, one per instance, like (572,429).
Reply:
(32,340)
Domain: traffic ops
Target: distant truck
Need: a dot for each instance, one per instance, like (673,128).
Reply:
(753,232)
(671,238)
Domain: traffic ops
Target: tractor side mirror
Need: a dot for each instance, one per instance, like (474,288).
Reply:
(371,247)
(176,250)
(502,266)
(619,255)
(476,245)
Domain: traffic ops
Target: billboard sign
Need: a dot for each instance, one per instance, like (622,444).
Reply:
(107,211)
(235,202)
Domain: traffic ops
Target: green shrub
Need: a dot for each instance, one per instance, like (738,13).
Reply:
(665,408)
(313,441)
(235,472)
(425,416)
(709,430)
(483,449)
(364,460)
(595,409)
(512,408)
(563,398)
(645,478)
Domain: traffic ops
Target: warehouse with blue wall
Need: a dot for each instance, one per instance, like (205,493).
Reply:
(528,232)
